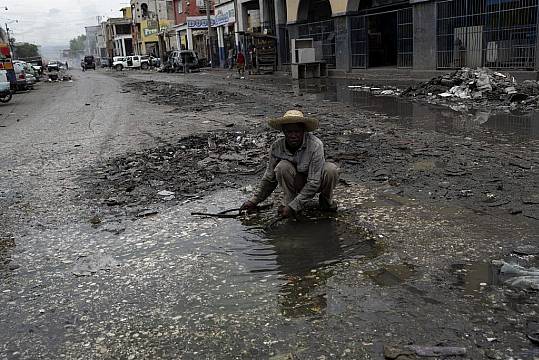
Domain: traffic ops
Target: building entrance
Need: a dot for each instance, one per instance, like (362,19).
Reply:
(382,39)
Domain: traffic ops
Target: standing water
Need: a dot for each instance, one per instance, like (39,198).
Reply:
(451,120)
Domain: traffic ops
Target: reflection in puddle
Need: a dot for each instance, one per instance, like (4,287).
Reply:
(306,245)
(391,275)
(300,254)
(475,277)
(415,115)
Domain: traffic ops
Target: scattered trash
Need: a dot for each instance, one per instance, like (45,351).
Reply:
(95,220)
(114,228)
(146,213)
(532,331)
(88,265)
(519,276)
(407,352)
(480,85)
(527,250)
(375,90)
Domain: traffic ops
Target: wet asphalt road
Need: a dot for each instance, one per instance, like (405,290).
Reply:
(174,286)
(167,286)
(46,136)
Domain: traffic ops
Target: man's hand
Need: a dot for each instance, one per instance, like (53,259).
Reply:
(248,206)
(285,212)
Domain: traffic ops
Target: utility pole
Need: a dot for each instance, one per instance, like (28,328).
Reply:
(10,42)
(210,43)
(9,39)
(159,52)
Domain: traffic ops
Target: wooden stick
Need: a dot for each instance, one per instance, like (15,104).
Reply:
(225,214)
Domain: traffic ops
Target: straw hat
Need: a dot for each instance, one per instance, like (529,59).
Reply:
(294,117)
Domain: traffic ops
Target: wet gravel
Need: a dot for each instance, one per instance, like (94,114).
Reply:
(128,273)
(489,174)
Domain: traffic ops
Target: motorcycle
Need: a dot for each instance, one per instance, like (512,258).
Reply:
(7,81)
(5,96)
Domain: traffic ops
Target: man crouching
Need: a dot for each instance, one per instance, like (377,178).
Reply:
(297,164)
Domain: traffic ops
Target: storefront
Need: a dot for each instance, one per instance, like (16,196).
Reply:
(197,34)
(225,22)
(149,38)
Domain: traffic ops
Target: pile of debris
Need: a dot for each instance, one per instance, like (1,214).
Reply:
(481,85)
(60,75)
(186,169)
(184,97)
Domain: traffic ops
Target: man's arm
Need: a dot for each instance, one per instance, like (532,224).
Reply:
(268,182)
(316,166)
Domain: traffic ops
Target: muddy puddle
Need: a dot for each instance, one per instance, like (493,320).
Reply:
(391,275)
(483,276)
(476,277)
(424,116)
(185,271)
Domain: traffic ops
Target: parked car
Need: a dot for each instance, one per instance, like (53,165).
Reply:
(152,61)
(184,60)
(88,62)
(31,71)
(53,66)
(36,62)
(5,87)
(130,62)
(155,61)
(24,81)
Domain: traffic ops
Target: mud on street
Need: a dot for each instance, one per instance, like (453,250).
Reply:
(101,258)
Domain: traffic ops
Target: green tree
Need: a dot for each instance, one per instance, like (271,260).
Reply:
(25,50)
(77,44)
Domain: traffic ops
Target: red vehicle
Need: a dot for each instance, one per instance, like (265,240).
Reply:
(7,64)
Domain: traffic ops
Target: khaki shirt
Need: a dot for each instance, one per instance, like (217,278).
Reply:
(308,159)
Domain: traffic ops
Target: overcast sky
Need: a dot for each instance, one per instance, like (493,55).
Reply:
(55,22)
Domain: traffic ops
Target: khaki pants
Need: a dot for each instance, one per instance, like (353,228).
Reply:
(291,182)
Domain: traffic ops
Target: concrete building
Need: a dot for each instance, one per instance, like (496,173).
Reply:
(101,42)
(92,32)
(225,23)
(150,18)
(192,26)
(417,34)
(118,37)
(353,35)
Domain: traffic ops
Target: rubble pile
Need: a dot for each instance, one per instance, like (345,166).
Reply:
(413,164)
(482,86)
(183,96)
(60,75)
(186,169)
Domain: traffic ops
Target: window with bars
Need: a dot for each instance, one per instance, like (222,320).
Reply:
(492,33)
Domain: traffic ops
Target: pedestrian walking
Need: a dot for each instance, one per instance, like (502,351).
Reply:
(240,61)
(231,59)
(297,164)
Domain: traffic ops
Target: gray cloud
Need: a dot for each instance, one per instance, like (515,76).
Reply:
(57,25)
(54,12)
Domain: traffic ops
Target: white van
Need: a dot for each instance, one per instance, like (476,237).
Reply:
(130,62)
(5,87)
